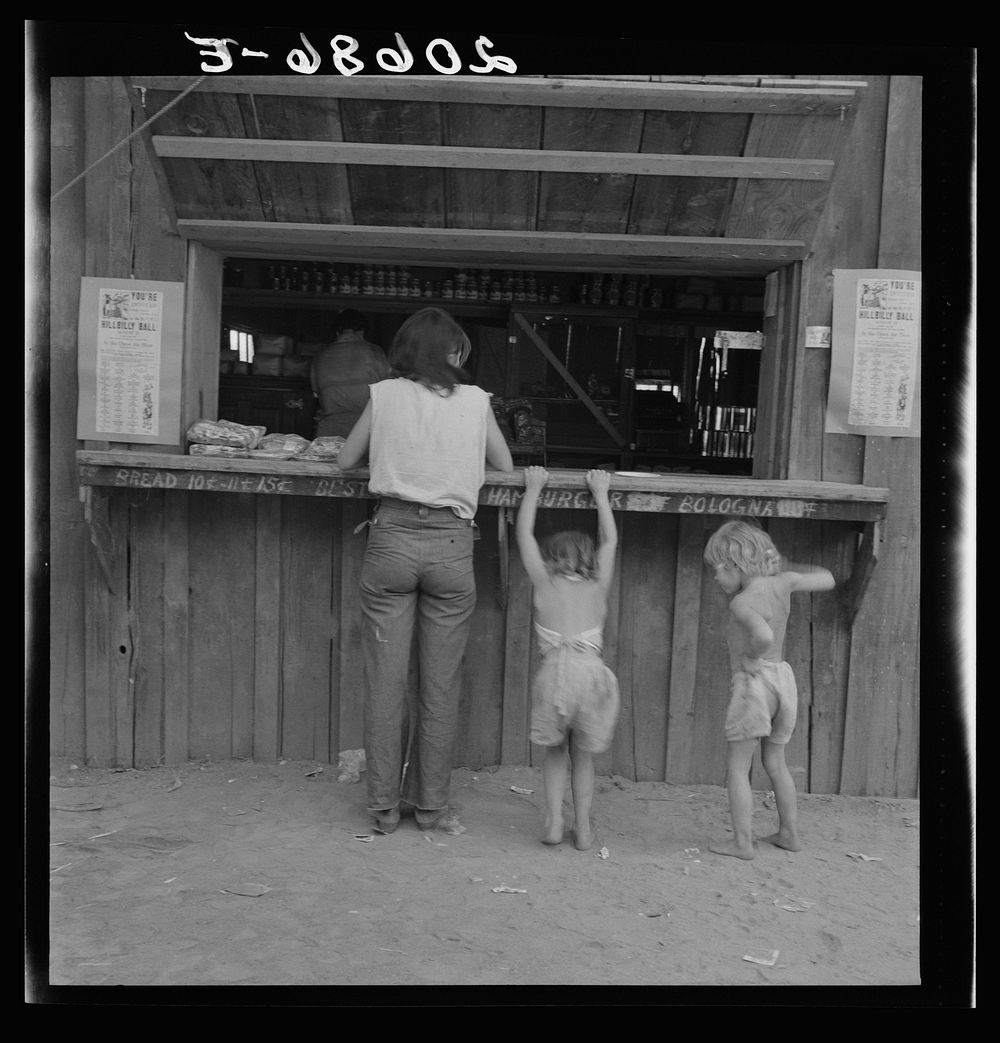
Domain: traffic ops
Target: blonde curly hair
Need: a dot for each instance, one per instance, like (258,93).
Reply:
(744,546)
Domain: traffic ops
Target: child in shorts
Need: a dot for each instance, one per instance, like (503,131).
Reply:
(764,699)
(575,698)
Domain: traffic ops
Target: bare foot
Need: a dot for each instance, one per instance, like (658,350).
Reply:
(583,837)
(789,841)
(730,847)
(553,830)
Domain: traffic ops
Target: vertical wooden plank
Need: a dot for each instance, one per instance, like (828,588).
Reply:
(267,630)
(515,746)
(221,625)
(767,453)
(713,675)
(647,617)
(98,715)
(349,665)
(109,186)
(202,326)
(176,628)
(798,543)
(620,758)
(882,742)
(68,536)
(846,237)
(305,595)
(480,723)
(831,662)
(684,700)
(146,616)
(158,252)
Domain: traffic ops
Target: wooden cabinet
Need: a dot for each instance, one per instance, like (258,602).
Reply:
(284,405)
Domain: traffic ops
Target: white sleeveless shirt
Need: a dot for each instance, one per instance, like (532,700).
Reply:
(427,446)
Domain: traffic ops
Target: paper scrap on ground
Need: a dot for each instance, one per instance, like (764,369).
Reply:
(521,789)
(247,890)
(859,857)
(793,904)
(503,889)
(603,853)
(765,957)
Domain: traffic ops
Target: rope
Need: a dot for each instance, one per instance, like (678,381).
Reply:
(83,173)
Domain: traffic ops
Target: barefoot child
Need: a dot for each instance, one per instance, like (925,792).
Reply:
(764,697)
(574,695)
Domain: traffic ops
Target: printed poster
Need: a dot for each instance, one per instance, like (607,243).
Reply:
(875,359)
(130,348)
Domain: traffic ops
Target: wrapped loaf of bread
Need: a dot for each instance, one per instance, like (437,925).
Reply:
(326,447)
(203,449)
(225,432)
(280,447)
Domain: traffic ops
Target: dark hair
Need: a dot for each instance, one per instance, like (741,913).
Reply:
(570,553)
(349,319)
(421,348)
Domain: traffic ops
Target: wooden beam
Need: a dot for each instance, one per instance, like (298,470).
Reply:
(285,235)
(544,91)
(362,153)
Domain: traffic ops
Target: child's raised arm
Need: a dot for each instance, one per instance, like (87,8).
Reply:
(599,481)
(809,578)
(524,528)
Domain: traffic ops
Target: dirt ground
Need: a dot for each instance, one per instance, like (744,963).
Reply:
(242,873)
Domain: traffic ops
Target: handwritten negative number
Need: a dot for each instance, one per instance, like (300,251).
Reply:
(440,54)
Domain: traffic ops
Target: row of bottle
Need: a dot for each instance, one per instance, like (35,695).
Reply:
(399,281)
(734,444)
(725,431)
(630,291)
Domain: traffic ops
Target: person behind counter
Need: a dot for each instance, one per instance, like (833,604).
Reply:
(341,372)
(428,435)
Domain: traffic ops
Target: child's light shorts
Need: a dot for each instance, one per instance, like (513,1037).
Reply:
(764,705)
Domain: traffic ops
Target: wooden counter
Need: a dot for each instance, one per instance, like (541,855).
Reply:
(230,626)
(657,493)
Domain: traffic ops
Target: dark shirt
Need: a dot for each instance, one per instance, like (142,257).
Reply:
(340,375)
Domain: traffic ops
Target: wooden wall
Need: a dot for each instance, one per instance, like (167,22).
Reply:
(225,625)
(233,630)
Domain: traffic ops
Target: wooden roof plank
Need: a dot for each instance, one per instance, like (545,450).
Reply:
(381,194)
(293,191)
(682,206)
(485,198)
(773,208)
(448,156)
(196,187)
(588,200)
(490,240)
(550,92)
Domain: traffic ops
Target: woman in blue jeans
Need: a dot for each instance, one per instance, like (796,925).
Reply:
(428,436)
